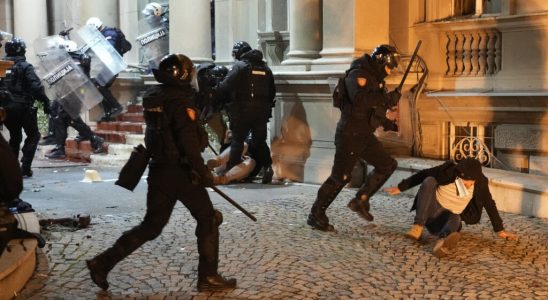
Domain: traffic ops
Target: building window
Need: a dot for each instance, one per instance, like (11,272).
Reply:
(472,140)
(464,7)
(435,10)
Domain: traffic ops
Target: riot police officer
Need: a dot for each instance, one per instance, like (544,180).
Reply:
(155,15)
(251,90)
(367,108)
(61,119)
(175,140)
(211,107)
(24,87)
(115,37)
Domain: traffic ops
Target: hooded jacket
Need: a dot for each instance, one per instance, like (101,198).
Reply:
(446,173)
(173,136)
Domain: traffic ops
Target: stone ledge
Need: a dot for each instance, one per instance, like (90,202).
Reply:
(513,192)
(16,267)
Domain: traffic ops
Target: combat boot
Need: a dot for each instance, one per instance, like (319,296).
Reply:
(98,273)
(267,175)
(317,217)
(97,144)
(26,171)
(361,206)
(47,140)
(57,153)
(215,283)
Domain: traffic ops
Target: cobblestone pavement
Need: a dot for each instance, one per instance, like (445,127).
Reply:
(280,257)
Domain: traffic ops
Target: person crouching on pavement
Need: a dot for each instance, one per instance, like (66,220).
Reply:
(174,139)
(450,193)
(235,174)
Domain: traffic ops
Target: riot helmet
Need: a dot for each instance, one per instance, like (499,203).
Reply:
(239,49)
(69,45)
(386,55)
(16,47)
(153,9)
(174,69)
(218,73)
(95,23)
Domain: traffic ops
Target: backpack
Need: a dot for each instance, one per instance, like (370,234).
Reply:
(123,44)
(340,94)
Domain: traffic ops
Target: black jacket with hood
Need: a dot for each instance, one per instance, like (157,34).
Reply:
(446,173)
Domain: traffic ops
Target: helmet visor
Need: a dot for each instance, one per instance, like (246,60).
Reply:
(393,60)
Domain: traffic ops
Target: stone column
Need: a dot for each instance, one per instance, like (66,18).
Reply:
(190,29)
(106,10)
(129,16)
(235,20)
(30,26)
(351,28)
(305,31)
(6,16)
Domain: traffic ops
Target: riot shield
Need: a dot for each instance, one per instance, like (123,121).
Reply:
(106,62)
(153,39)
(63,80)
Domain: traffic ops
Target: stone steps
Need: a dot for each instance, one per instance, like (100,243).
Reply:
(120,137)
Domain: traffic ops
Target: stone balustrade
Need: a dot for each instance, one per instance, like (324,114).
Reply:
(473,52)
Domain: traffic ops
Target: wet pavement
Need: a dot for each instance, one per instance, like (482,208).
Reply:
(279,256)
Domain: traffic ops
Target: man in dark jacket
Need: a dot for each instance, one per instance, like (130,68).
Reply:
(24,87)
(367,108)
(175,140)
(251,90)
(449,193)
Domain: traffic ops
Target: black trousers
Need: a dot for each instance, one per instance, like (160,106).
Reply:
(109,101)
(61,123)
(254,123)
(23,117)
(349,148)
(166,185)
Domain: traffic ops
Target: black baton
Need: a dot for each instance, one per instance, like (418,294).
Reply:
(400,87)
(227,198)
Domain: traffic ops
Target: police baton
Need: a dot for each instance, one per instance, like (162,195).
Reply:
(400,87)
(227,198)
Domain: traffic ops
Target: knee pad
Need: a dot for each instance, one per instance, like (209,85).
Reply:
(217,218)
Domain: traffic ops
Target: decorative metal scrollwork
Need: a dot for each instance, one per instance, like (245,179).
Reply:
(472,147)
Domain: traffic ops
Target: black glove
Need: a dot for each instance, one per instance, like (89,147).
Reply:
(393,98)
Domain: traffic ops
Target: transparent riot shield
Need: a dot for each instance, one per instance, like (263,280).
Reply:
(153,39)
(106,62)
(63,80)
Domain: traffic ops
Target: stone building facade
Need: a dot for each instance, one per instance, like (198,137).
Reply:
(480,88)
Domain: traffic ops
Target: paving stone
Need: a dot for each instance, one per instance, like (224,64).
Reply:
(280,257)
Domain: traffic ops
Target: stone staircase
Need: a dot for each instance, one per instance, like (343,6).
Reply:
(120,137)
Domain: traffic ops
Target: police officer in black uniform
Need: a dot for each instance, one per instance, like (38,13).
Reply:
(62,120)
(175,141)
(113,35)
(369,104)
(24,87)
(251,90)
(211,107)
